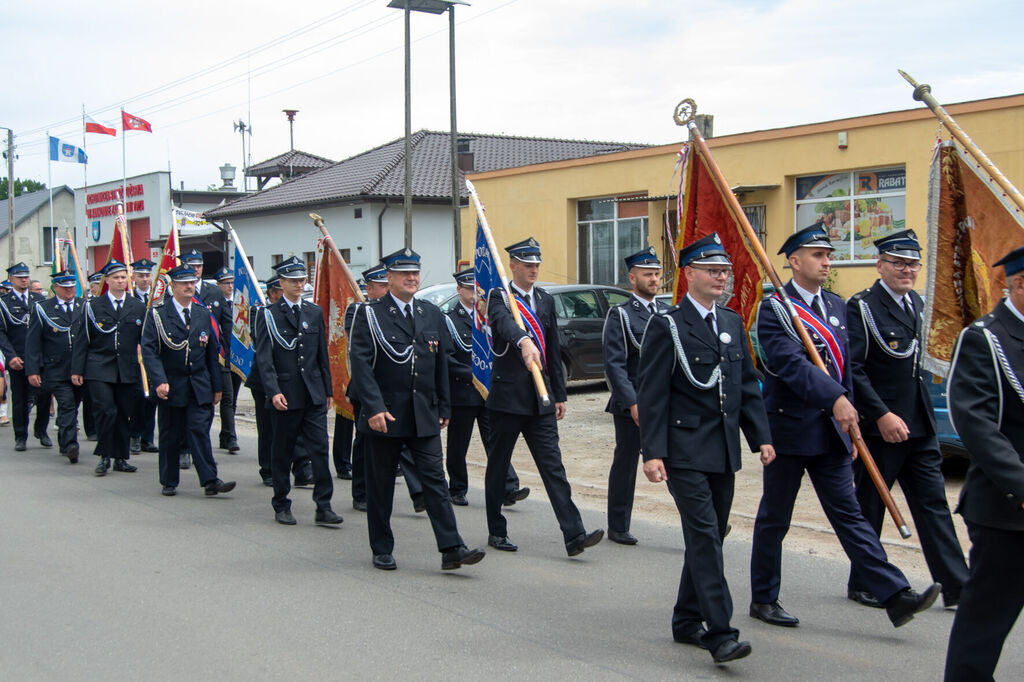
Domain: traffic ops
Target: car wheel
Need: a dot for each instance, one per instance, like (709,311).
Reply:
(565,371)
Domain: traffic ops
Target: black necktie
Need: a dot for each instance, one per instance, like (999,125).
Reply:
(653,308)
(117,310)
(816,304)
(295,314)
(526,298)
(145,298)
(188,318)
(908,307)
(710,319)
(408,316)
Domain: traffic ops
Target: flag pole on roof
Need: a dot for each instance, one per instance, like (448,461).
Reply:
(685,114)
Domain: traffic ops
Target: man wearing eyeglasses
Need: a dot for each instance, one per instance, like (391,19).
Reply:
(896,414)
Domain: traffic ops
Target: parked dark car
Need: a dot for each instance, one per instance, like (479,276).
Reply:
(581,309)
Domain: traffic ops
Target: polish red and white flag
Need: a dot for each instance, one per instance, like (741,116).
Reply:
(94,126)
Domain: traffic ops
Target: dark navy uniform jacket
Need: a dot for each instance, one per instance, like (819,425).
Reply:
(106,347)
(689,427)
(49,341)
(797,395)
(882,381)
(460,363)
(623,332)
(253,381)
(192,369)
(303,373)
(986,405)
(512,387)
(14,323)
(414,389)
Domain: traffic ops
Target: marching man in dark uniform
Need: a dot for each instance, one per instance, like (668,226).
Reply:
(291,350)
(467,403)
(88,414)
(14,313)
(105,354)
(143,425)
(811,417)
(223,307)
(697,390)
(180,350)
(399,359)
(623,331)
(204,292)
(516,408)
(986,406)
(48,357)
(898,422)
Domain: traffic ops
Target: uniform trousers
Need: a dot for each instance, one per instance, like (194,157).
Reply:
(832,478)
(341,448)
(359,467)
(917,464)
(622,476)
(311,424)
(382,455)
(460,432)
(703,500)
(228,402)
(541,435)
(88,416)
(265,441)
(143,423)
(23,397)
(112,407)
(990,603)
(67,396)
(194,422)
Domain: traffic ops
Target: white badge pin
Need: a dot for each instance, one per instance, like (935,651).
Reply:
(834,321)
(725,338)
(305,325)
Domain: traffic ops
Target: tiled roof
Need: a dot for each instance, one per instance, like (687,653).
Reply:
(284,164)
(380,172)
(27,204)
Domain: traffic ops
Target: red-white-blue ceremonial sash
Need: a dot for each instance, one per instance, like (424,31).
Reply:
(835,350)
(533,327)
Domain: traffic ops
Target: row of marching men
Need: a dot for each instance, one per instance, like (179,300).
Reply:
(683,387)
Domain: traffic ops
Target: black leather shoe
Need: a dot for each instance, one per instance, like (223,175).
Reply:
(418,505)
(268,481)
(345,474)
(951,599)
(583,541)
(217,486)
(135,445)
(461,556)
(285,517)
(91,437)
(502,544)
(517,495)
(460,501)
(19,445)
(384,562)
(773,614)
(169,491)
(303,482)
(693,637)
(359,505)
(731,650)
(728,529)
(149,447)
(72,454)
(902,607)
(863,597)
(44,440)
(183,461)
(623,537)
(102,467)
(122,465)
(327,516)
(233,447)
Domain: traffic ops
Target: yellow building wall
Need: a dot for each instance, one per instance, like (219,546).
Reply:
(540,201)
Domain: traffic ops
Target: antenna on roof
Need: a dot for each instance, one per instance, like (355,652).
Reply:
(290,113)
(240,126)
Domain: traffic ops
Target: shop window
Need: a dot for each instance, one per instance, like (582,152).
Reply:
(756,217)
(49,233)
(607,231)
(310,258)
(856,208)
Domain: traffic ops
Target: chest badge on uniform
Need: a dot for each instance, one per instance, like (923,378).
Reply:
(894,344)
(725,337)
(138,322)
(203,339)
(305,324)
(54,329)
(834,321)
(216,304)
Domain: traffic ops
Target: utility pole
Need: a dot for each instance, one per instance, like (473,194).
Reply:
(290,113)
(10,194)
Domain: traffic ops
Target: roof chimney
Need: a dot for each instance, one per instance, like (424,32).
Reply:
(467,163)
(227,174)
(705,124)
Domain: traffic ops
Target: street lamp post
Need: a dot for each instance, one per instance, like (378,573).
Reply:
(429,7)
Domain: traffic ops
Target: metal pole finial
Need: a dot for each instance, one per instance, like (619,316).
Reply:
(685,112)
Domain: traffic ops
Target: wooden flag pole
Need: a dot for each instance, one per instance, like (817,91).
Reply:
(240,251)
(805,337)
(923,93)
(78,266)
(538,380)
(319,222)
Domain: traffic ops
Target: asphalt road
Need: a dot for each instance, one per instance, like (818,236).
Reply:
(103,578)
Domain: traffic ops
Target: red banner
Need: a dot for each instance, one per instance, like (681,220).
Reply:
(706,210)
(334,294)
(119,249)
(168,261)
(129,122)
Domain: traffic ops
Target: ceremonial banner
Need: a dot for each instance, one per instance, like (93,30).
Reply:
(706,210)
(334,294)
(243,345)
(119,248)
(168,261)
(971,225)
(190,221)
(486,278)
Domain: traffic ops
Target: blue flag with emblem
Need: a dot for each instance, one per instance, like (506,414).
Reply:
(486,278)
(243,345)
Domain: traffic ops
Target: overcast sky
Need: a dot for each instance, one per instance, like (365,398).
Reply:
(582,69)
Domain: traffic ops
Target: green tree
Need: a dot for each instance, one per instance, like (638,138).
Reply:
(20,187)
